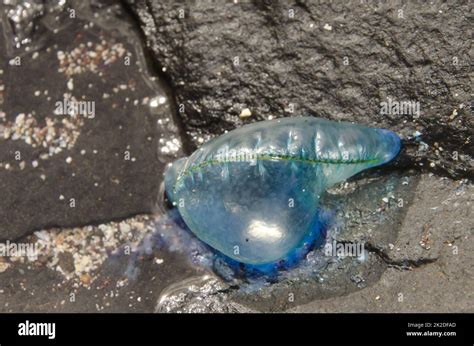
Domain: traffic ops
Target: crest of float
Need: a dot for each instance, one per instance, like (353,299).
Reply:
(253,193)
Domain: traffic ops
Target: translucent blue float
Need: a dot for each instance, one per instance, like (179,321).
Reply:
(253,193)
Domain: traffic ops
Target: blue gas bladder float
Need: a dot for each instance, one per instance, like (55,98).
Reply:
(252,194)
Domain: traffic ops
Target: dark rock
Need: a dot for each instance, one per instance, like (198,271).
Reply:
(334,60)
(92,179)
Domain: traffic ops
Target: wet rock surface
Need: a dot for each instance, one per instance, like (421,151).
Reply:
(430,263)
(66,166)
(416,227)
(246,61)
(101,278)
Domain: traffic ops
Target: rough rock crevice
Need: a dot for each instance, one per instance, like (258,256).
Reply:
(401,264)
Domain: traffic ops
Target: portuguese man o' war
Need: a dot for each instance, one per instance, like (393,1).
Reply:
(253,193)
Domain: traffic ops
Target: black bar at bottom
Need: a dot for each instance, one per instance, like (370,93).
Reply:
(292,329)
